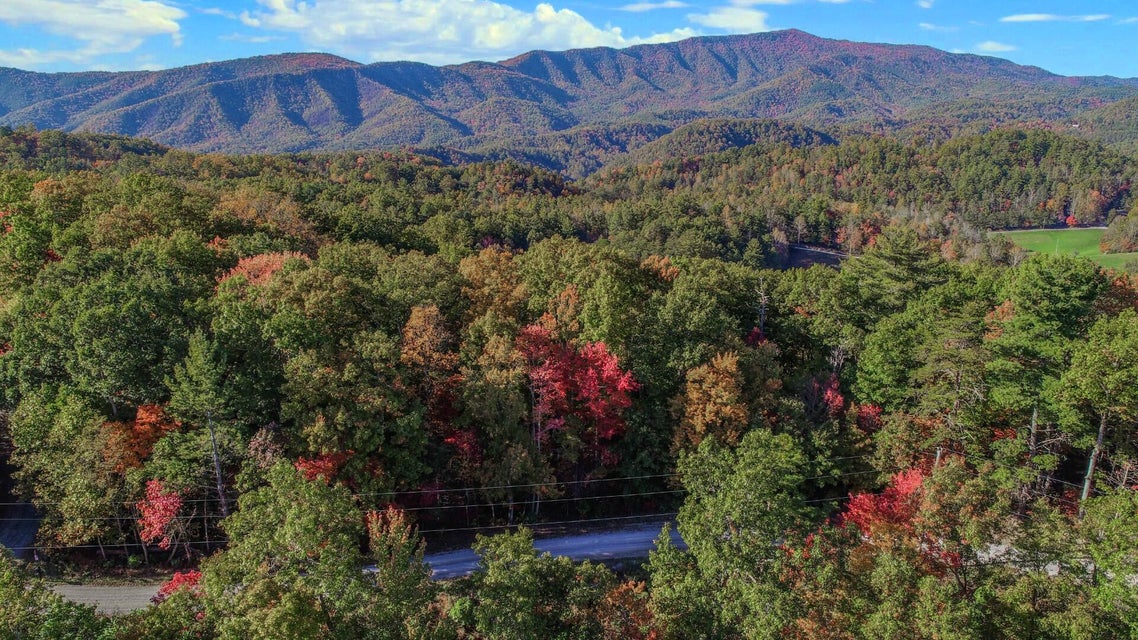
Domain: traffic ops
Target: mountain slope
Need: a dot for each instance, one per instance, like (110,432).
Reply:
(1114,124)
(295,102)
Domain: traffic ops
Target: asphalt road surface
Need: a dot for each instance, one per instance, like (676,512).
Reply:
(18,526)
(634,541)
(113,599)
(628,542)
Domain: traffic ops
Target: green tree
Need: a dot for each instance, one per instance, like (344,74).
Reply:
(401,591)
(519,594)
(1108,527)
(1048,301)
(29,610)
(741,502)
(1102,384)
(293,567)
(198,395)
(683,603)
(1057,292)
(497,409)
(342,389)
(129,324)
(898,268)
(80,499)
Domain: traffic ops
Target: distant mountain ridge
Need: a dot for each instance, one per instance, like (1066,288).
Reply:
(297,102)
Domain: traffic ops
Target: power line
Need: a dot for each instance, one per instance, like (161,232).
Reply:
(480,528)
(543,501)
(187,519)
(552,483)
(974,458)
(500,526)
(466,506)
(559,522)
(191,519)
(857,473)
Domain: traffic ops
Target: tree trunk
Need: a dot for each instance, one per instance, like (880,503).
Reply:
(217,468)
(1033,441)
(1032,450)
(536,436)
(1088,482)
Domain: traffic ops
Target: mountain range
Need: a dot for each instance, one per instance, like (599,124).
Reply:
(571,110)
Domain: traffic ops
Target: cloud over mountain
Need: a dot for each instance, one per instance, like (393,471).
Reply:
(98,28)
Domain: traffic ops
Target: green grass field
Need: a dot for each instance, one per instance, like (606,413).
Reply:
(1082,242)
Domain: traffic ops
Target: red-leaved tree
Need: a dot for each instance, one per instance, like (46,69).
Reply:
(832,397)
(579,392)
(895,506)
(259,269)
(869,418)
(188,580)
(159,512)
(895,516)
(129,444)
(323,465)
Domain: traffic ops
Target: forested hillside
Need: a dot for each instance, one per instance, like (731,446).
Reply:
(565,110)
(1113,124)
(271,370)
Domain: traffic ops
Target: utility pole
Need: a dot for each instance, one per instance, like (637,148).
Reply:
(763,300)
(217,465)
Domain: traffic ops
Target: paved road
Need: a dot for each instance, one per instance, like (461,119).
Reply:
(18,526)
(634,541)
(113,599)
(628,542)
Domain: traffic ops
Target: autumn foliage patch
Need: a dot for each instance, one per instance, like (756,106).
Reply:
(159,510)
(584,386)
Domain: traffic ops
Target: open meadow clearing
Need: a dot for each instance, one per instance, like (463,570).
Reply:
(1082,242)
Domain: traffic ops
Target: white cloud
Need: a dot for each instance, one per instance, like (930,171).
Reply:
(244,37)
(639,7)
(928,26)
(437,31)
(925,4)
(1133,20)
(215,11)
(140,63)
(26,58)
(991,46)
(732,19)
(1051,17)
(101,27)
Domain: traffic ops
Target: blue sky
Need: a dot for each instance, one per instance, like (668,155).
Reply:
(1071,37)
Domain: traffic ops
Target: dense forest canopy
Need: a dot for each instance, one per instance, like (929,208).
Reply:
(302,358)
